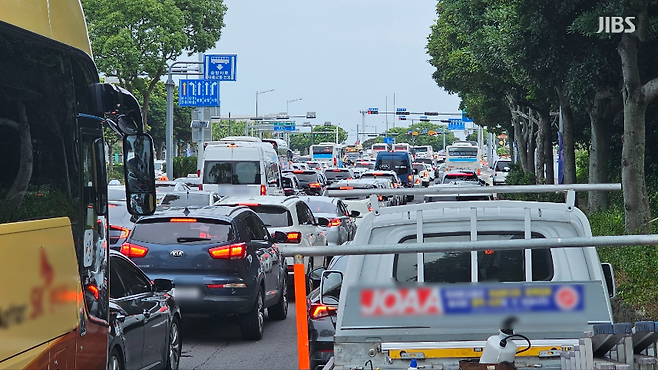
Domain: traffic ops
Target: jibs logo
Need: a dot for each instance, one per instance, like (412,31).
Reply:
(400,302)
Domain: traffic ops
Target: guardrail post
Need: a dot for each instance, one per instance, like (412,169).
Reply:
(300,311)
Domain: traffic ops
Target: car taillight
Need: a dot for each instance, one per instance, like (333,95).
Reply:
(124,232)
(132,250)
(182,220)
(336,170)
(346,188)
(229,252)
(263,190)
(201,187)
(93,290)
(334,222)
(410,178)
(395,185)
(317,311)
(417,181)
(294,237)
(314,185)
(369,209)
(380,198)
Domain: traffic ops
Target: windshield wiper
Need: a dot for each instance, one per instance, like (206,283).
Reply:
(187,239)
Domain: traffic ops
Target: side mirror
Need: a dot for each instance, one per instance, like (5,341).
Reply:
(314,277)
(609,277)
(355,213)
(330,285)
(139,174)
(415,171)
(162,285)
(115,100)
(323,222)
(280,237)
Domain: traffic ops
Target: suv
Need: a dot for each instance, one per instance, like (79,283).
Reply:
(313,182)
(337,174)
(291,184)
(400,162)
(500,171)
(289,215)
(222,260)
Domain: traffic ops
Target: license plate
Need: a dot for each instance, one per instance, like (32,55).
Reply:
(186,293)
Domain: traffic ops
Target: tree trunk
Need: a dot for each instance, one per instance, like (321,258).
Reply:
(545,173)
(568,147)
(530,142)
(636,202)
(510,143)
(601,114)
(541,153)
(17,191)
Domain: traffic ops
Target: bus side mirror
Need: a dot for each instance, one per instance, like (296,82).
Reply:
(139,173)
(108,99)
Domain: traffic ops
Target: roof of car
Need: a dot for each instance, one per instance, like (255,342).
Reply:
(319,199)
(187,212)
(356,184)
(260,200)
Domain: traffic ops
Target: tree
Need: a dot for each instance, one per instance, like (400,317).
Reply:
(134,40)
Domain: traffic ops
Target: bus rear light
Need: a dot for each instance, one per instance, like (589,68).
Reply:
(334,222)
(229,252)
(411,178)
(132,250)
(263,190)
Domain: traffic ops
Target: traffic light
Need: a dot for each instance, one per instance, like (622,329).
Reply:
(373,110)
(424,119)
(401,112)
(402,118)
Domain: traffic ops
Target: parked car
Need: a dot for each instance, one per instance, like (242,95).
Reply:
(500,171)
(337,174)
(291,184)
(313,182)
(189,199)
(291,216)
(145,321)
(222,260)
(341,224)
(322,315)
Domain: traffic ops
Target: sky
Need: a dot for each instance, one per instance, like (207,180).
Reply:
(340,57)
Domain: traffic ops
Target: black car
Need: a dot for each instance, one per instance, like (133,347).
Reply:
(322,317)
(312,181)
(222,260)
(145,322)
(337,174)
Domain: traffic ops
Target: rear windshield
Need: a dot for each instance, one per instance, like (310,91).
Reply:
(400,166)
(424,160)
(419,167)
(455,267)
(368,165)
(321,207)
(460,177)
(232,172)
(307,178)
(463,152)
(184,200)
(274,216)
(163,231)
(287,182)
(500,166)
(342,175)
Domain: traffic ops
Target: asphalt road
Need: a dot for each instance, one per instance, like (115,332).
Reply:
(215,343)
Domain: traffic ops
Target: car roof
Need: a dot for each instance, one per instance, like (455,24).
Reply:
(319,199)
(262,200)
(220,213)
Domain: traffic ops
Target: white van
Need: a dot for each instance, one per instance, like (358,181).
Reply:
(241,165)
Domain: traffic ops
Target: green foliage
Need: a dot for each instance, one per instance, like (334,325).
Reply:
(225,128)
(319,134)
(183,166)
(502,150)
(116,173)
(41,202)
(582,166)
(517,176)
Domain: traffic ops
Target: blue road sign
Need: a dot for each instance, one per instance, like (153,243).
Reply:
(198,93)
(220,67)
(389,140)
(456,124)
(466,118)
(284,126)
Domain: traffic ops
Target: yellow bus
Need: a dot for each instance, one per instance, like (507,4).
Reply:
(54,302)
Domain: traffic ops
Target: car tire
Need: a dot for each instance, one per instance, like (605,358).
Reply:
(252,322)
(115,361)
(174,346)
(280,309)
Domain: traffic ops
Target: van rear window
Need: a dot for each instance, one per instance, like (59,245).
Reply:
(274,216)
(232,172)
(400,166)
(455,267)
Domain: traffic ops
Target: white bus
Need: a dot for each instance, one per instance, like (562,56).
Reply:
(463,156)
(379,147)
(330,153)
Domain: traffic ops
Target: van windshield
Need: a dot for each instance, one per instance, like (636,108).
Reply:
(232,172)
(400,166)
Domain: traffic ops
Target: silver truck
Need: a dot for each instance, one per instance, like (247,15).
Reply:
(495,261)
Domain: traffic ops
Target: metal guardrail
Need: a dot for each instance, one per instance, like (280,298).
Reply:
(517,244)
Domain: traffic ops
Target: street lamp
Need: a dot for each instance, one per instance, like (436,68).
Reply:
(258,93)
(288,102)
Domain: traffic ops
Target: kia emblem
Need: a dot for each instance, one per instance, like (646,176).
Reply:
(177,253)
